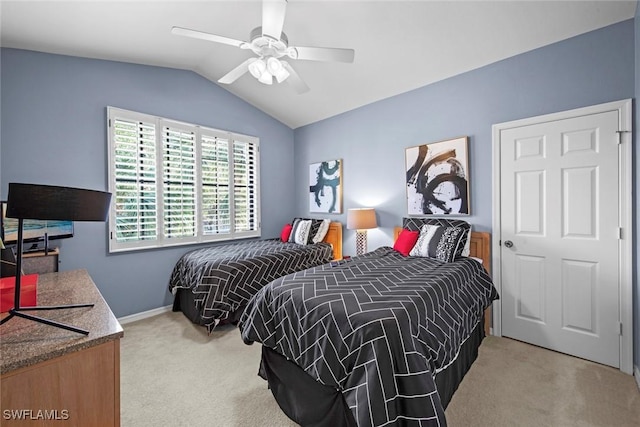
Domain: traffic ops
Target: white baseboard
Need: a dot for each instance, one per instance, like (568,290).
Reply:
(144,315)
(636,374)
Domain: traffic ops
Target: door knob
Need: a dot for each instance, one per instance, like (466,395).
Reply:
(508,243)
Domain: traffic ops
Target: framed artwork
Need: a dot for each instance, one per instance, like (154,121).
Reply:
(325,187)
(438,178)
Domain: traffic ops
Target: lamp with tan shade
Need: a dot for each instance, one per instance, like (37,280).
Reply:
(361,220)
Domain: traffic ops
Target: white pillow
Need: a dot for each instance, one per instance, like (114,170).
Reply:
(302,232)
(322,231)
(467,245)
(421,248)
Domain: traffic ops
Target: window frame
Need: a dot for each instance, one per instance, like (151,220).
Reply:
(199,131)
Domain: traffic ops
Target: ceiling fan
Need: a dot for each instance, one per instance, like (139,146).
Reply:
(270,44)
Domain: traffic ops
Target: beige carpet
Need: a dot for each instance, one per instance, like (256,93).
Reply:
(173,374)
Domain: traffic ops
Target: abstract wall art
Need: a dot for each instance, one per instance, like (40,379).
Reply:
(325,187)
(437,178)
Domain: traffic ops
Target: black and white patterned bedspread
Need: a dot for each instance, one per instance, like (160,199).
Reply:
(378,328)
(224,277)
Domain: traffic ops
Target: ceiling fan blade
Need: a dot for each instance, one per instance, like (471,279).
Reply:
(294,79)
(179,31)
(273,12)
(237,72)
(331,54)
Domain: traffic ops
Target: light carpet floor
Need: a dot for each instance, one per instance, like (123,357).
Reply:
(174,374)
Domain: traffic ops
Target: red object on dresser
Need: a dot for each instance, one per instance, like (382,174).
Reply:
(28,290)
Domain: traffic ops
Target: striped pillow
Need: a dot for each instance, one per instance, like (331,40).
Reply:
(417,223)
(302,232)
(439,242)
(317,230)
(294,225)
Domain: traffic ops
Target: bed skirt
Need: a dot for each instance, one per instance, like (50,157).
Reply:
(312,404)
(185,301)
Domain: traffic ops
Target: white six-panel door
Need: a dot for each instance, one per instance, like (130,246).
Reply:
(559,202)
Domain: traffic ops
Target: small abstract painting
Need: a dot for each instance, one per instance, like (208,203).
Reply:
(325,187)
(438,178)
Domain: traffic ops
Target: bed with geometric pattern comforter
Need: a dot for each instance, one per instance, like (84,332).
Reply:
(219,280)
(377,328)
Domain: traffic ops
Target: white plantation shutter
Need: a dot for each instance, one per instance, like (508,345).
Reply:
(135,195)
(244,186)
(179,182)
(216,208)
(176,183)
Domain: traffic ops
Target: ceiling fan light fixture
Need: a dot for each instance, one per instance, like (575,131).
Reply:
(275,67)
(257,68)
(266,78)
(282,74)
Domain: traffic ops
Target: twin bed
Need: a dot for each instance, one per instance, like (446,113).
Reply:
(213,284)
(379,339)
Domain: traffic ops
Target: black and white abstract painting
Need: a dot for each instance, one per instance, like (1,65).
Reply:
(438,178)
(325,187)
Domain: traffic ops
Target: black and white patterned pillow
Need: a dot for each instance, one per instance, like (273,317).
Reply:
(322,231)
(415,224)
(315,226)
(317,230)
(439,242)
(294,225)
(302,232)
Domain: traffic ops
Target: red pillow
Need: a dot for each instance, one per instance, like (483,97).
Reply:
(286,232)
(406,240)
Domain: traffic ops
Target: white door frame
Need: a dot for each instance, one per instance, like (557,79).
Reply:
(625,219)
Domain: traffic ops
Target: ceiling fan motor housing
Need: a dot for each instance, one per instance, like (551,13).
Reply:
(265,46)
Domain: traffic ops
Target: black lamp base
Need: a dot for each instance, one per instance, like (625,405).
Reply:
(21,313)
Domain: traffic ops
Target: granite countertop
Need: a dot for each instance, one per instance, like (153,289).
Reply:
(25,342)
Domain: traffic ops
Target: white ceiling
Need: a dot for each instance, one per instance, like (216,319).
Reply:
(399,45)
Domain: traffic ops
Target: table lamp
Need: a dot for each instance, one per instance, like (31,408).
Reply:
(49,202)
(361,219)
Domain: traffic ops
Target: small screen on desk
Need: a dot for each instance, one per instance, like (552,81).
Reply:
(33,230)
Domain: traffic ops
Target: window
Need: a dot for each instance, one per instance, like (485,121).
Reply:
(175,183)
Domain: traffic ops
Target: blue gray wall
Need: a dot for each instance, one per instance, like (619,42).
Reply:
(53,131)
(590,69)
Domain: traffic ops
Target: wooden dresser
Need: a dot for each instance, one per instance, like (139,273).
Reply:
(51,376)
(39,262)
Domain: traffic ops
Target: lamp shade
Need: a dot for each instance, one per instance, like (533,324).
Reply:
(50,202)
(361,218)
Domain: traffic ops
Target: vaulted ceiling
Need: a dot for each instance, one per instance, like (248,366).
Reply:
(399,45)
